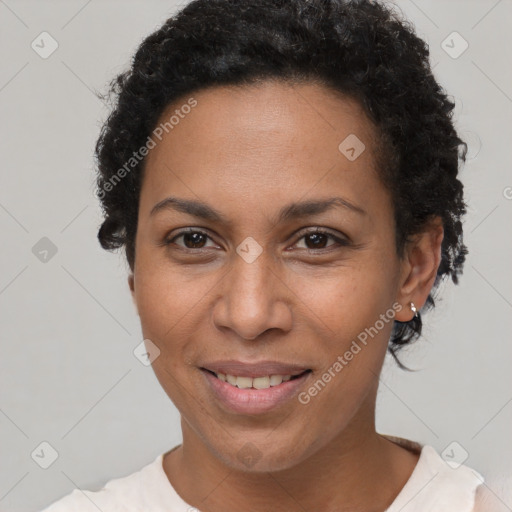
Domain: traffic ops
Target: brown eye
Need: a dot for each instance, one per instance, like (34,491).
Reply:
(194,240)
(318,239)
(191,239)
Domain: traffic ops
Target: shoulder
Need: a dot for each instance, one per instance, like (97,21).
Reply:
(494,494)
(438,482)
(124,494)
(449,481)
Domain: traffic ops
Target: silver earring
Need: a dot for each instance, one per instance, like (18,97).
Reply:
(414,310)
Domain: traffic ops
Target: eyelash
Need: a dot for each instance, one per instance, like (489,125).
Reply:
(343,242)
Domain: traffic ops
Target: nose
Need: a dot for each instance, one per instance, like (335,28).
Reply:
(253,299)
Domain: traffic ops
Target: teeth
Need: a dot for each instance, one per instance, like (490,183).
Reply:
(275,380)
(264,382)
(261,382)
(244,382)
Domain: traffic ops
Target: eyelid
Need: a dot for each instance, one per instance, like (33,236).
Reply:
(324,231)
(168,240)
(340,238)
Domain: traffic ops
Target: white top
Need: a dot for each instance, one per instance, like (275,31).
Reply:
(432,486)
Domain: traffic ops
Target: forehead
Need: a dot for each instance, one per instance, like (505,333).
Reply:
(247,140)
(271,112)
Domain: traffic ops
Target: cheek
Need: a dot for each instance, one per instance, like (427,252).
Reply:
(165,316)
(348,299)
(354,308)
(166,297)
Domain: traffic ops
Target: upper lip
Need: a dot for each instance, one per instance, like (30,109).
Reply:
(254,369)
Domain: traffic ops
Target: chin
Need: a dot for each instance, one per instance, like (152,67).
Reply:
(261,456)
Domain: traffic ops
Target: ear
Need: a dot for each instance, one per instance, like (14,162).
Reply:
(131,284)
(422,257)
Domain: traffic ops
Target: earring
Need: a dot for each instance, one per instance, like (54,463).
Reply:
(414,310)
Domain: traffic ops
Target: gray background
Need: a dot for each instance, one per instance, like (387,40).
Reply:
(69,327)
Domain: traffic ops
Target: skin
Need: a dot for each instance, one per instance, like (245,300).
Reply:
(247,152)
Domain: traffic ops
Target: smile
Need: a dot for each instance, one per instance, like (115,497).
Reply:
(253,395)
(263,382)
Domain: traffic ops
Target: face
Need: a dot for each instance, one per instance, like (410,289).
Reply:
(239,281)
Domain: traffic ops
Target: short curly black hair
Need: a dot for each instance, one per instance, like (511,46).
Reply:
(363,49)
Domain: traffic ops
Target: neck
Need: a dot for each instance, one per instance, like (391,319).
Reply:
(359,470)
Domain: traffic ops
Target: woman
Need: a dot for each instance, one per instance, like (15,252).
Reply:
(282,176)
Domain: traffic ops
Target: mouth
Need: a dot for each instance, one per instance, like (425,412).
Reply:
(245,395)
(260,382)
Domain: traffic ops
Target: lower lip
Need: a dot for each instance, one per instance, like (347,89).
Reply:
(254,401)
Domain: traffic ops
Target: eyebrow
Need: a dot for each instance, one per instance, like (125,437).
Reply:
(287,213)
